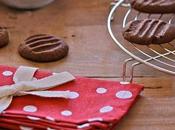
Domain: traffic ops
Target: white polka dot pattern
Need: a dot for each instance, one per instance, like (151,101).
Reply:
(83,126)
(34,78)
(30,108)
(106,109)
(124,94)
(101,90)
(101,97)
(50,118)
(124,82)
(54,73)
(50,128)
(33,118)
(95,119)
(7,73)
(66,113)
(25,128)
(73,95)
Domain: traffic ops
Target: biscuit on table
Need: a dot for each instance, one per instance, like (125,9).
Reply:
(43,48)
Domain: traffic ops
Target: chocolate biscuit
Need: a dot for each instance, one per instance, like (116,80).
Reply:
(149,31)
(154,6)
(4,37)
(43,48)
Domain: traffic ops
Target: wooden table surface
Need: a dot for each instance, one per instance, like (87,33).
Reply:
(82,23)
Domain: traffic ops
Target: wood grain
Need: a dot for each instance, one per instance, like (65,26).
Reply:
(150,114)
(82,23)
(83,26)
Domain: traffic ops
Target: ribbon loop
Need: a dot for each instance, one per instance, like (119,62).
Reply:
(24,73)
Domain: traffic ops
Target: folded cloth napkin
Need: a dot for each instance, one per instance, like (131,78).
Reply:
(91,104)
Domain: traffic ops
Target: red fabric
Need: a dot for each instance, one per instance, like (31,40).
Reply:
(98,104)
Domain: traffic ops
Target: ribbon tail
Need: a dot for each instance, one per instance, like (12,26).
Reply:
(5,103)
(49,94)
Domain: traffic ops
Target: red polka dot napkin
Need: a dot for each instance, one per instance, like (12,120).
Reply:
(94,105)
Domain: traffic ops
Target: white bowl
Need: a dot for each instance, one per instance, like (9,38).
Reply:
(26,4)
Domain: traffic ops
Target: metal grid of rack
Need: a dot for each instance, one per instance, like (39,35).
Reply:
(161,57)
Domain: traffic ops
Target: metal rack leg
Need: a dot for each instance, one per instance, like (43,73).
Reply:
(125,67)
(132,70)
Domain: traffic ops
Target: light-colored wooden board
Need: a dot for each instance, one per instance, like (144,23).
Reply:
(150,114)
(82,23)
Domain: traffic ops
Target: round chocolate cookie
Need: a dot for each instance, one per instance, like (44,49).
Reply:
(154,6)
(43,48)
(4,37)
(149,31)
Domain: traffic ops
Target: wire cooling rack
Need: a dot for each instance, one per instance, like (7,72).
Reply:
(160,57)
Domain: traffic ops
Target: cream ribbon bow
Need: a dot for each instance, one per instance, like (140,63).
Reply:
(24,84)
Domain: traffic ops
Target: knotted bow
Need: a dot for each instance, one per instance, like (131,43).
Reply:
(24,84)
